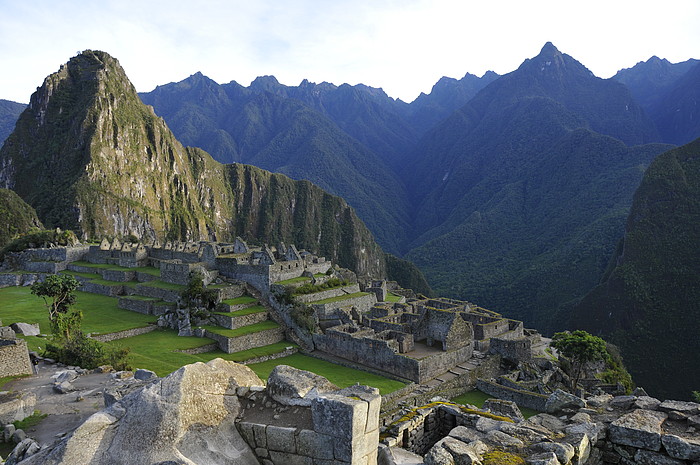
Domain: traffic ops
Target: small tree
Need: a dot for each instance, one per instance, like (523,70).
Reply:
(580,347)
(197,297)
(58,294)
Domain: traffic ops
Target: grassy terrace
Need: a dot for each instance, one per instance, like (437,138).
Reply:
(82,275)
(250,329)
(143,269)
(300,279)
(245,299)
(100,313)
(339,375)
(392,297)
(244,311)
(339,298)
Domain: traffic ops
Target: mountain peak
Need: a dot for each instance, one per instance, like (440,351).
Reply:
(265,83)
(549,50)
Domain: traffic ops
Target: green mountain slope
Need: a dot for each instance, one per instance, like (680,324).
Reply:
(16,217)
(89,156)
(260,125)
(677,115)
(523,192)
(9,112)
(649,302)
(446,96)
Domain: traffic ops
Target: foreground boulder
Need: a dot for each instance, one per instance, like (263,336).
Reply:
(187,417)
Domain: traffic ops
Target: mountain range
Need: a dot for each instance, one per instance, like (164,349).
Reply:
(511,191)
(88,155)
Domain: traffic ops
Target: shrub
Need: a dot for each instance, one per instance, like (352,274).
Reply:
(40,238)
(87,353)
(305,317)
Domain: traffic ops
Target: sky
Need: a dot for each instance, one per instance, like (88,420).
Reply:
(403,46)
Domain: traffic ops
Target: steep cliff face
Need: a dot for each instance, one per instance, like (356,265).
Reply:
(649,301)
(16,217)
(89,156)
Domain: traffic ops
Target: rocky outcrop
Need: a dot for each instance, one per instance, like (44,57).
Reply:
(610,430)
(290,386)
(187,417)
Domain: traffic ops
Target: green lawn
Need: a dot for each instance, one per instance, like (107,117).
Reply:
(339,375)
(478,398)
(244,299)
(156,351)
(244,311)
(254,328)
(143,269)
(339,298)
(100,313)
(392,297)
(300,279)
(81,274)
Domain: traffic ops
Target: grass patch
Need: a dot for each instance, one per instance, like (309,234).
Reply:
(244,299)
(300,279)
(32,420)
(101,313)
(157,351)
(477,398)
(102,266)
(244,311)
(392,297)
(163,285)
(340,298)
(81,274)
(339,375)
(6,379)
(250,329)
(244,355)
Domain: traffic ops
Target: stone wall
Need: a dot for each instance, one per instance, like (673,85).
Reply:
(515,350)
(10,279)
(158,293)
(96,288)
(434,365)
(137,305)
(123,334)
(521,397)
(14,358)
(340,428)
(237,344)
(258,276)
(306,298)
(233,322)
(362,302)
(120,276)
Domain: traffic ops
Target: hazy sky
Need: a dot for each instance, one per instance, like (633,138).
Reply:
(402,46)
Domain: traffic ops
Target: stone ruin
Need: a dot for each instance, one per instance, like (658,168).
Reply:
(420,338)
(222,413)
